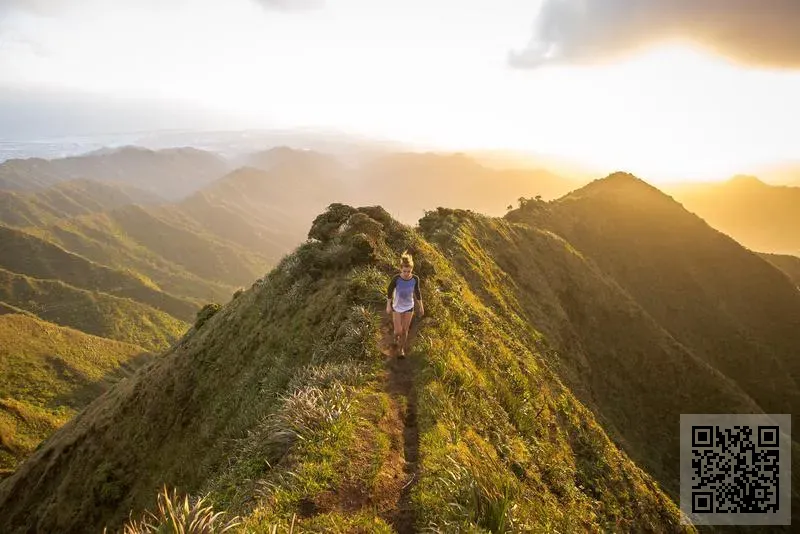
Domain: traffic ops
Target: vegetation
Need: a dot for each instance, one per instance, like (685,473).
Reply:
(47,374)
(92,312)
(31,256)
(289,412)
(560,345)
(176,517)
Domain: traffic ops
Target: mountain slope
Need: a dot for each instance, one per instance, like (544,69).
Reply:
(616,357)
(91,312)
(267,210)
(67,199)
(790,265)
(718,299)
(762,217)
(47,374)
(281,403)
(27,254)
(170,173)
(166,245)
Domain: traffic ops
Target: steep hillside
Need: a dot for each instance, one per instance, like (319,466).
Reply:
(762,217)
(47,374)
(282,404)
(67,199)
(790,265)
(268,211)
(27,254)
(723,302)
(164,244)
(170,173)
(92,312)
(612,354)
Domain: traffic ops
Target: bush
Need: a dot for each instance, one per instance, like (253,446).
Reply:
(326,225)
(206,313)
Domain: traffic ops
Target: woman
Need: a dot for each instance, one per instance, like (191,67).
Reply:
(403,292)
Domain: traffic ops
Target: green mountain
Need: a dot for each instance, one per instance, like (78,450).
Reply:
(33,256)
(542,393)
(67,199)
(47,374)
(92,312)
(762,217)
(716,298)
(171,173)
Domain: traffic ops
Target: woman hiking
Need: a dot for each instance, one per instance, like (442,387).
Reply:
(401,295)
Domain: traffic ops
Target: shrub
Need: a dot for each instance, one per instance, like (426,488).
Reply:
(206,313)
(326,225)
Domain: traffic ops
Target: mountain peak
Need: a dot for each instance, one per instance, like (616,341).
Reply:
(745,180)
(622,185)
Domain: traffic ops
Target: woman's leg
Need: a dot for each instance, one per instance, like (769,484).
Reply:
(398,326)
(406,324)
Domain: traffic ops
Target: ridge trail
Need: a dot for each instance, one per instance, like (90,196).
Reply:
(400,386)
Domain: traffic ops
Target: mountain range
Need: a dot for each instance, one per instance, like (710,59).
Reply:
(563,339)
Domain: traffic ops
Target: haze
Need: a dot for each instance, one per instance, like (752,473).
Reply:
(668,90)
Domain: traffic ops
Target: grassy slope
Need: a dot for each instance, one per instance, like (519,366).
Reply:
(47,373)
(614,356)
(715,297)
(163,244)
(27,254)
(277,405)
(66,199)
(92,312)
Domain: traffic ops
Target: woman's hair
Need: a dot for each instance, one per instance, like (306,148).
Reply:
(406,260)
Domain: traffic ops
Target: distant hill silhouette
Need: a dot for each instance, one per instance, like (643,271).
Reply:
(762,217)
(788,264)
(169,173)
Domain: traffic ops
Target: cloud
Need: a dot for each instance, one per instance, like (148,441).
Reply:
(764,33)
(291,5)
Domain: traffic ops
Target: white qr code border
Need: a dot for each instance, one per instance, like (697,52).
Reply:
(696,445)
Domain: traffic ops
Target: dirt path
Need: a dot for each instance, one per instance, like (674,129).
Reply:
(400,386)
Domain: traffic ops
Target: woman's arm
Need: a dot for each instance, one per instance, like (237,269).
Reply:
(418,295)
(390,294)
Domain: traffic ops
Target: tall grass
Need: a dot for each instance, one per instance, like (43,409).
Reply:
(174,516)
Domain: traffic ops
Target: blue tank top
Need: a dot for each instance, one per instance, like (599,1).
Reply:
(402,292)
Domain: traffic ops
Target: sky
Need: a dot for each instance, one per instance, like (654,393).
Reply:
(669,89)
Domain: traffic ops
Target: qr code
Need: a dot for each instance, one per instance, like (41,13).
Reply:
(735,469)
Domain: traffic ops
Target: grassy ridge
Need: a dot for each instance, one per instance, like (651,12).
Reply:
(36,257)
(47,373)
(284,411)
(92,312)
(66,199)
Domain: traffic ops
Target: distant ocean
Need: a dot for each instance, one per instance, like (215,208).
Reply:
(61,147)
(226,143)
